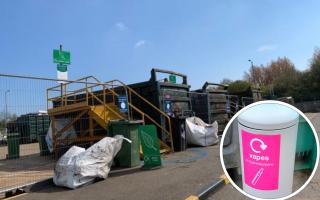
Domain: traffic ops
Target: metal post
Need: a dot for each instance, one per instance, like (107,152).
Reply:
(104,102)
(61,85)
(129,118)
(253,77)
(6,111)
(272,91)
(61,88)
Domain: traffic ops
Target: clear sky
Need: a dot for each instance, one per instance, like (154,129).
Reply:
(207,40)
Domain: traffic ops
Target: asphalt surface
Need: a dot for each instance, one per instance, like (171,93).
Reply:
(183,174)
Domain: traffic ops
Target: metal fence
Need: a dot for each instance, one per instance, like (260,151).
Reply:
(24,125)
(41,118)
(31,106)
(20,160)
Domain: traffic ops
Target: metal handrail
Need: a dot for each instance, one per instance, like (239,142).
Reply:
(73,81)
(109,86)
(104,104)
(137,94)
(169,132)
(150,118)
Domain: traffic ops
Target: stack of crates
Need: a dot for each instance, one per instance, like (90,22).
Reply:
(46,123)
(210,104)
(31,125)
(12,127)
(27,127)
(43,122)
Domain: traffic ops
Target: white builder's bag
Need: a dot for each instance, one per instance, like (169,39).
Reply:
(200,133)
(78,166)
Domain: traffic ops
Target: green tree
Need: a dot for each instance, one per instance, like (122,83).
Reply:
(314,75)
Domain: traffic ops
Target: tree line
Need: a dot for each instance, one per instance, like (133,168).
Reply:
(9,116)
(280,78)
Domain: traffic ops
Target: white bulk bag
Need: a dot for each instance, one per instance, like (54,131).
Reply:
(79,166)
(200,133)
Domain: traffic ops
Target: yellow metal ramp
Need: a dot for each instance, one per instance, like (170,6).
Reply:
(103,114)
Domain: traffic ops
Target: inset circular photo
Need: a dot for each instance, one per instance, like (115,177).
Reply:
(269,150)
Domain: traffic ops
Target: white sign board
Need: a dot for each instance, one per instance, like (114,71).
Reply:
(62,76)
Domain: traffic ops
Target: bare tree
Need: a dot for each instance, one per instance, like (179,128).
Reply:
(266,75)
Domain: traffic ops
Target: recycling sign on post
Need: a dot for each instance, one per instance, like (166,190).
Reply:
(150,146)
(123,104)
(62,58)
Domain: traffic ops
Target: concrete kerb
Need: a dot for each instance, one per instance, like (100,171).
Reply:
(210,189)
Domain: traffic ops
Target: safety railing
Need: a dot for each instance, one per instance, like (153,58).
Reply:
(93,92)
(116,84)
(90,91)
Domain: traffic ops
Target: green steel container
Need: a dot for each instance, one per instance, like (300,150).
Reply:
(128,156)
(13,140)
(210,104)
(31,125)
(171,97)
(306,149)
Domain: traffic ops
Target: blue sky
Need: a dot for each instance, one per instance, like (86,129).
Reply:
(207,40)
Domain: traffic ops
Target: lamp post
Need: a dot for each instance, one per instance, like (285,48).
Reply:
(6,110)
(252,70)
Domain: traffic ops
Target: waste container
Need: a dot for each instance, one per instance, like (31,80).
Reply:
(268,136)
(306,150)
(178,125)
(172,97)
(44,151)
(128,156)
(13,140)
(210,104)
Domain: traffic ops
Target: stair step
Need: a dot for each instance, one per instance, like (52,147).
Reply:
(103,115)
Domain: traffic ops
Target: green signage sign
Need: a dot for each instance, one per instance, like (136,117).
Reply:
(173,79)
(62,67)
(62,57)
(150,146)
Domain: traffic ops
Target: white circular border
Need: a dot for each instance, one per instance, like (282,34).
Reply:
(235,116)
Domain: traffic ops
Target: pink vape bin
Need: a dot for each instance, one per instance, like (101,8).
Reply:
(267,136)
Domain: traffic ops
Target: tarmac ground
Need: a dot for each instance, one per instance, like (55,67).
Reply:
(183,174)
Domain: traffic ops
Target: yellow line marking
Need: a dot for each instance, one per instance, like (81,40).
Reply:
(192,197)
(226,180)
(15,196)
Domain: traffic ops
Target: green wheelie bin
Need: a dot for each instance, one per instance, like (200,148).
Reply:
(128,156)
(13,140)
